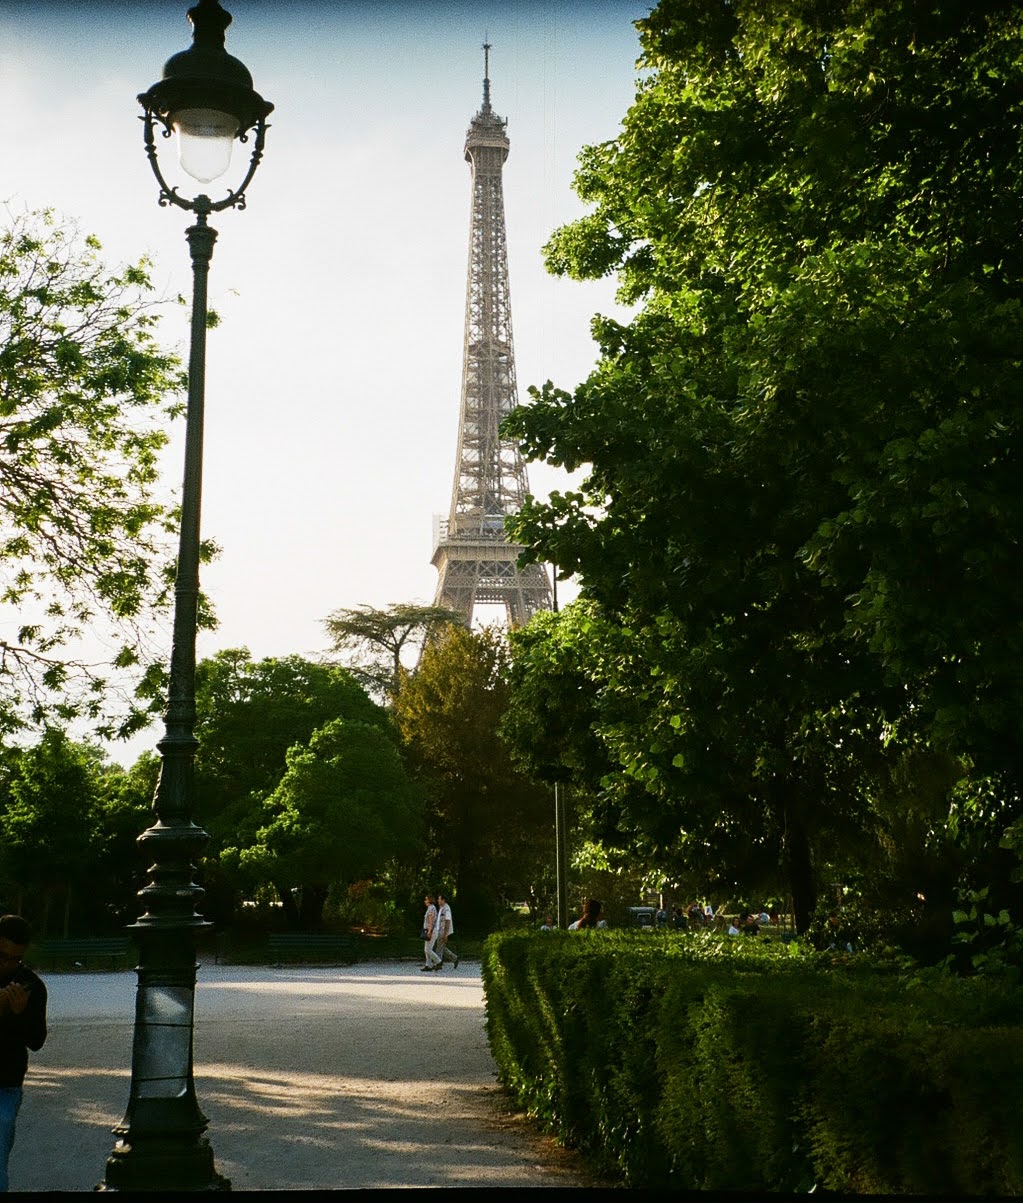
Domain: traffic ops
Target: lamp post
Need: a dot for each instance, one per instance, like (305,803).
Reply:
(205,98)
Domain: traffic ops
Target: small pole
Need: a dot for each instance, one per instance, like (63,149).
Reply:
(560,826)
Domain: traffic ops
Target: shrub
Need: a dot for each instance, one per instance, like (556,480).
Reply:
(701,1063)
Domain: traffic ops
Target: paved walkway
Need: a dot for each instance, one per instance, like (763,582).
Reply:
(322,1078)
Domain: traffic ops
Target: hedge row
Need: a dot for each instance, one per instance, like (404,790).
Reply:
(701,1064)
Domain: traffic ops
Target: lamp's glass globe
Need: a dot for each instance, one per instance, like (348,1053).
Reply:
(205,138)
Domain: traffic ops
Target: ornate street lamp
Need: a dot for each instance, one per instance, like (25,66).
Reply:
(206,99)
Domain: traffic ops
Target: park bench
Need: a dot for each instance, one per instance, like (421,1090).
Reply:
(79,953)
(318,946)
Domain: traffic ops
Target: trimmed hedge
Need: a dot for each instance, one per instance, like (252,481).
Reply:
(682,1062)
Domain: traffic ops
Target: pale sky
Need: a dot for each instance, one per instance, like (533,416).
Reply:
(333,383)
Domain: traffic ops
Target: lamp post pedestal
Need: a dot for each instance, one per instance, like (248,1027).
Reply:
(161,1140)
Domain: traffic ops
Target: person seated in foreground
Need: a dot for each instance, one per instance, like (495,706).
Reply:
(591,916)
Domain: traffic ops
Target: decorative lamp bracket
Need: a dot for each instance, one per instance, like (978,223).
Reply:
(201,204)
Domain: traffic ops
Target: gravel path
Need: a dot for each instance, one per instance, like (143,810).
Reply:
(313,1078)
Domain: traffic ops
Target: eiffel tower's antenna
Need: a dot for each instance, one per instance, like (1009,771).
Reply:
(486,76)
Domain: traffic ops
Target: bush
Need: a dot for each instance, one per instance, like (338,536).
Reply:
(368,905)
(701,1063)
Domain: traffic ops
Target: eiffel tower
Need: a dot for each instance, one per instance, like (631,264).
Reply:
(473,555)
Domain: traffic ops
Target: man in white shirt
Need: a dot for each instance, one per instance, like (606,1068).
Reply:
(445,929)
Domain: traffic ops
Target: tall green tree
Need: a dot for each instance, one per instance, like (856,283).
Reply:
(803,494)
(371,643)
(85,394)
(558,725)
(343,809)
(69,827)
(489,826)
(248,714)
(124,809)
(49,828)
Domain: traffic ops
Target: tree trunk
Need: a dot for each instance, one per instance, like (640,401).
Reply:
(313,900)
(802,878)
(289,905)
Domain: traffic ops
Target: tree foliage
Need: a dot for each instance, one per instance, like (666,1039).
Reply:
(85,393)
(489,826)
(69,822)
(343,808)
(802,501)
(372,642)
(249,713)
(48,821)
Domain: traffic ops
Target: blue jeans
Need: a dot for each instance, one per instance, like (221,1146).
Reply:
(10,1101)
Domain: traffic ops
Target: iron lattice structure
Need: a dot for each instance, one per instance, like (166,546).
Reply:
(475,559)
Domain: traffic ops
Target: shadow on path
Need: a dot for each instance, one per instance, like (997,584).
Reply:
(312,1079)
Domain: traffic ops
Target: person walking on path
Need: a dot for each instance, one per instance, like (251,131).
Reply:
(445,930)
(430,931)
(22,1026)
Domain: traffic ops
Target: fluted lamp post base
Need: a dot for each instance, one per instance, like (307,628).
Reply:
(161,1143)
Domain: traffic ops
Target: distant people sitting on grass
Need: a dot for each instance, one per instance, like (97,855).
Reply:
(678,918)
(548,923)
(839,934)
(591,916)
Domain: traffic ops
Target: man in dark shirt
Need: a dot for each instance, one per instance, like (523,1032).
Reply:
(22,1026)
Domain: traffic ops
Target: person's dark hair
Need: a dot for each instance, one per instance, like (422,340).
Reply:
(591,913)
(15,929)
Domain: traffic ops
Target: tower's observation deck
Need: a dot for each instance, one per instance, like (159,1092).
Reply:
(475,559)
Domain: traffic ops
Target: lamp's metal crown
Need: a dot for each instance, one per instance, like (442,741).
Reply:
(205,76)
